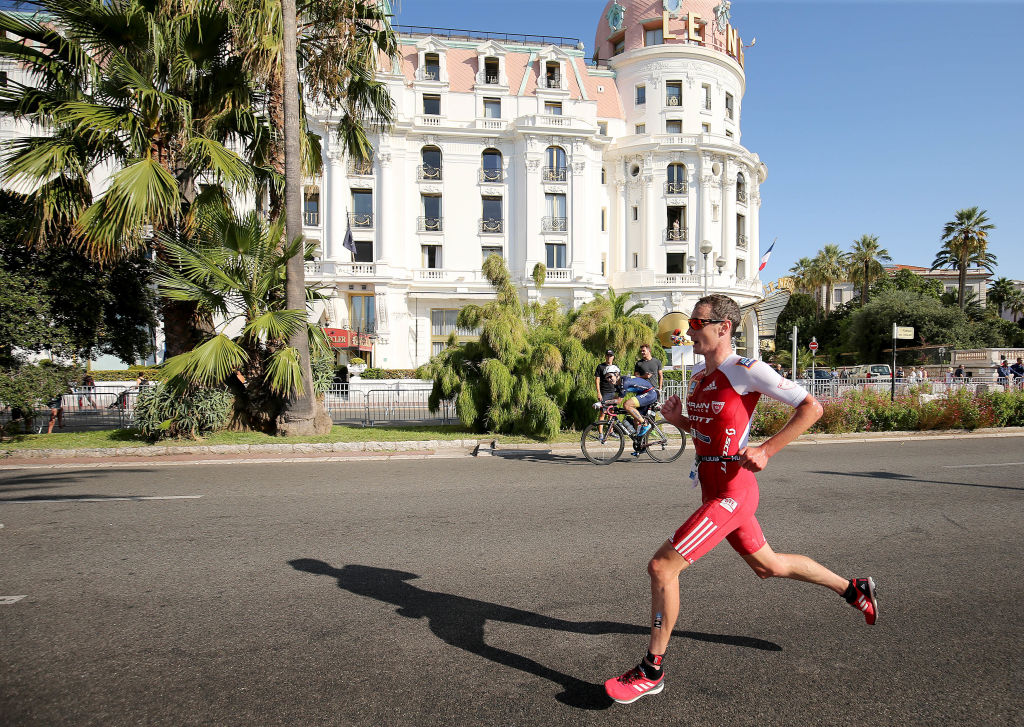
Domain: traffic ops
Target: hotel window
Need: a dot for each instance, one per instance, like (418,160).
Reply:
(492,108)
(675,263)
(604,216)
(364,252)
(653,36)
(492,221)
(443,323)
(741,188)
(741,269)
(636,260)
(675,230)
(488,251)
(554,208)
(728,105)
(552,78)
(555,255)
(705,128)
(602,175)
(636,213)
(3,79)
(430,170)
(604,261)
(640,129)
(837,296)
(432,256)
(619,46)
(555,171)
(641,95)
(431,104)
(602,128)
(362,208)
(706,88)
(490,70)
(431,67)
(431,220)
(362,313)
(676,183)
(311,207)
(674,93)
(741,232)
(553,108)
(674,126)
(728,133)
(492,166)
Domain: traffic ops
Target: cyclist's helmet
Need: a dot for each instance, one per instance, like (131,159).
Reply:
(609,370)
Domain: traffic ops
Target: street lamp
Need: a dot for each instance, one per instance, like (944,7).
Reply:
(705,250)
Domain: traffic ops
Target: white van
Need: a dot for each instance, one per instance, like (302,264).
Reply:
(870,371)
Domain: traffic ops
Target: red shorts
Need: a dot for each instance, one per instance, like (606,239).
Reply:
(727,512)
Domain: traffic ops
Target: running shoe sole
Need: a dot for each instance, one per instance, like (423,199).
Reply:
(652,690)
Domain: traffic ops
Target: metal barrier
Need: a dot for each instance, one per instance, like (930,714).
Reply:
(385,406)
(85,407)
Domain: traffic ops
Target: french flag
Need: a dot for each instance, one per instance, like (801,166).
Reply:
(767,254)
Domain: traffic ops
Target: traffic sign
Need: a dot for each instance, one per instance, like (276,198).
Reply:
(903,332)
(813,345)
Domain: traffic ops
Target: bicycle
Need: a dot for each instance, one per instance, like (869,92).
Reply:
(603,441)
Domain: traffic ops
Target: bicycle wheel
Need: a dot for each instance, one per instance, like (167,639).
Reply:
(602,442)
(665,442)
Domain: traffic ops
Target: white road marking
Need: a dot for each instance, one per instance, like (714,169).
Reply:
(155,461)
(130,498)
(8,600)
(989,464)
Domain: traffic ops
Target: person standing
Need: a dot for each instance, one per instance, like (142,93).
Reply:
(1003,373)
(649,368)
(88,391)
(56,406)
(1017,370)
(604,387)
(723,392)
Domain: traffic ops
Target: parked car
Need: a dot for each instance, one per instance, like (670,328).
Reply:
(871,371)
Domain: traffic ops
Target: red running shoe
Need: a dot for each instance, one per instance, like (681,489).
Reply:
(632,685)
(864,599)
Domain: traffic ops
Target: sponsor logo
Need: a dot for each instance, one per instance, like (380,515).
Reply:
(702,420)
(699,405)
(746,362)
(700,437)
(712,386)
(729,434)
(717,406)
(729,504)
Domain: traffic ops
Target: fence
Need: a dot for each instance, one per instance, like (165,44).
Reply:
(88,407)
(385,406)
(833,388)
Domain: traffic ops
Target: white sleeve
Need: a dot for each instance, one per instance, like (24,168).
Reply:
(747,375)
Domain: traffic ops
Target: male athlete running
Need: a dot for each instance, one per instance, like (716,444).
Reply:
(722,395)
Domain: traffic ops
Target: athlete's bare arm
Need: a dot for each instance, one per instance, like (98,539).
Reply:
(755,459)
(672,410)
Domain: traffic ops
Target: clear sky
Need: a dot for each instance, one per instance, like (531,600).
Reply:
(879,118)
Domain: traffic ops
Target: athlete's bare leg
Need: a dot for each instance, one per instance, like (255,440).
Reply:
(664,570)
(630,406)
(769,564)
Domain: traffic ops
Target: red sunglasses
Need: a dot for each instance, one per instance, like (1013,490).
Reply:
(698,323)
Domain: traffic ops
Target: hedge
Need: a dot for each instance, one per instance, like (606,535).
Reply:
(390,374)
(130,374)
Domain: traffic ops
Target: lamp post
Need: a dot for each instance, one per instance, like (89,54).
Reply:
(705,250)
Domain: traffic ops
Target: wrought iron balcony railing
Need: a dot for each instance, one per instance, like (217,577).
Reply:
(741,195)
(675,234)
(361,219)
(489,226)
(428,73)
(311,219)
(553,174)
(741,242)
(427,173)
(487,78)
(550,82)
(493,176)
(673,101)
(554,224)
(675,187)
(430,224)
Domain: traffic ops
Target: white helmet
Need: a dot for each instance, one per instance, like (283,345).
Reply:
(611,369)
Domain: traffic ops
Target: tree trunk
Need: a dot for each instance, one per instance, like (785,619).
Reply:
(962,293)
(864,295)
(300,416)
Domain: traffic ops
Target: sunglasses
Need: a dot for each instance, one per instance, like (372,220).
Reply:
(698,323)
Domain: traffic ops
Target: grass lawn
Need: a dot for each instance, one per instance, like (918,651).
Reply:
(128,438)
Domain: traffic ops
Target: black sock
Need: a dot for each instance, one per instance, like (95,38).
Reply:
(850,594)
(651,665)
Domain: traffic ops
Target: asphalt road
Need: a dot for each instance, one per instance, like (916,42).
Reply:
(505,590)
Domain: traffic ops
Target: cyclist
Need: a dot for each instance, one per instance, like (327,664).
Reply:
(633,393)
(722,395)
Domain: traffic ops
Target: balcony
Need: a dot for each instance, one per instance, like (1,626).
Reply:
(311,218)
(741,195)
(492,176)
(360,168)
(445,275)
(490,226)
(362,220)
(427,173)
(428,73)
(554,224)
(675,188)
(429,120)
(430,224)
(675,234)
(554,82)
(489,79)
(673,101)
(741,242)
(679,280)
(553,174)
(494,124)
(558,275)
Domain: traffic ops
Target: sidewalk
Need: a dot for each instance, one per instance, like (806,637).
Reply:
(412,449)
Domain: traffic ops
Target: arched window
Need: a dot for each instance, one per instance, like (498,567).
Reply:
(741,188)
(491,167)
(431,167)
(676,183)
(555,169)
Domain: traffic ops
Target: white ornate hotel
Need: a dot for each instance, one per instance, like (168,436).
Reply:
(628,173)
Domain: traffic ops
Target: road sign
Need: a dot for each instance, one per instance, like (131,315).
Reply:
(813,345)
(903,332)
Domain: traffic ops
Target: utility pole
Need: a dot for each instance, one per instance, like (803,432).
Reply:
(792,337)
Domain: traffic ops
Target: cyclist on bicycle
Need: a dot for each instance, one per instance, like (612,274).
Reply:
(633,393)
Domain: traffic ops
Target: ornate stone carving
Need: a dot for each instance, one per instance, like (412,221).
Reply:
(532,165)
(385,159)
(647,180)
(430,188)
(578,167)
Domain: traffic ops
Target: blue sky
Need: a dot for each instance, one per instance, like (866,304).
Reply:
(878,118)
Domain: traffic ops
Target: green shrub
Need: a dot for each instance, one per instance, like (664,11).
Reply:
(164,412)
(769,417)
(1007,408)
(322,365)
(130,374)
(393,374)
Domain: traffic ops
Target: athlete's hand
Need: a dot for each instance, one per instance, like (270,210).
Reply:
(754,459)
(672,410)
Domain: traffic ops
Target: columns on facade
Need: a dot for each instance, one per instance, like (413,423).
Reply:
(620,243)
(704,229)
(651,226)
(581,236)
(533,242)
(385,226)
(729,232)
(337,208)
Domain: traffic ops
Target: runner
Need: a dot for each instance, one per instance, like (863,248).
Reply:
(722,395)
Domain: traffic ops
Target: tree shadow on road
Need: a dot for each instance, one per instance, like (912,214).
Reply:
(460,622)
(883,475)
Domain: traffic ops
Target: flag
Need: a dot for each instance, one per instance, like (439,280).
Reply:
(349,243)
(767,254)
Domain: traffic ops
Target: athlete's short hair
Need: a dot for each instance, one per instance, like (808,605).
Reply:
(724,308)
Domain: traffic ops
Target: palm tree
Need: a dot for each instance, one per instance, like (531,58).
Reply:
(802,274)
(1000,291)
(1015,304)
(865,262)
(829,267)
(150,90)
(234,273)
(965,242)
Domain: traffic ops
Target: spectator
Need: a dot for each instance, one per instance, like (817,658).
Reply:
(647,367)
(949,375)
(900,373)
(1003,373)
(960,373)
(922,373)
(1017,370)
(88,390)
(913,376)
(605,388)
(56,406)
(141,381)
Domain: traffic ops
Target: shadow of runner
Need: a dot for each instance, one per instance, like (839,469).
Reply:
(460,622)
